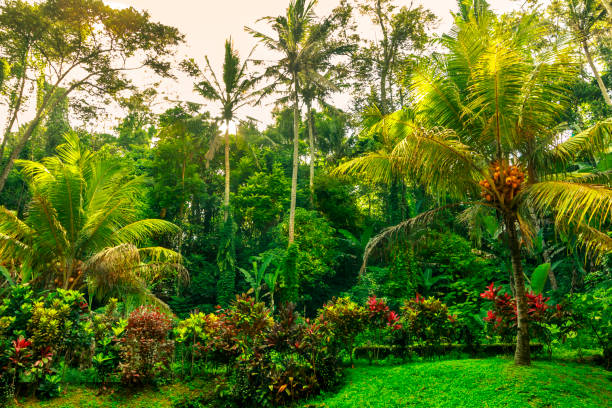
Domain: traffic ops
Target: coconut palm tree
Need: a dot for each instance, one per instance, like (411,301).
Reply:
(233,92)
(82,227)
(486,134)
(299,41)
(317,84)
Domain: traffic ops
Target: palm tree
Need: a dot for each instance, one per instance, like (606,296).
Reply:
(316,86)
(82,227)
(234,92)
(487,133)
(299,41)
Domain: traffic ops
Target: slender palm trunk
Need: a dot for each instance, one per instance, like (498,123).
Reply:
(312,153)
(602,86)
(226,197)
(294,175)
(522,355)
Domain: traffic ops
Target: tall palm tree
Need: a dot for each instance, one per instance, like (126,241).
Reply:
(487,133)
(317,84)
(233,92)
(298,40)
(82,227)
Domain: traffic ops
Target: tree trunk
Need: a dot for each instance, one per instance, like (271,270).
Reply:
(294,175)
(13,117)
(226,197)
(602,86)
(608,7)
(522,355)
(18,148)
(312,153)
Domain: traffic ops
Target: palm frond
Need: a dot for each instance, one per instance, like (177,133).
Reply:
(592,141)
(572,203)
(408,226)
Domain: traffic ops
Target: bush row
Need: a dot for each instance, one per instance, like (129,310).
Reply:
(260,358)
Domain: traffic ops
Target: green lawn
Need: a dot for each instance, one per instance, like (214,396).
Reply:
(83,397)
(493,382)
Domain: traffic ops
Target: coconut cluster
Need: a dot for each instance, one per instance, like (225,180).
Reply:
(508,180)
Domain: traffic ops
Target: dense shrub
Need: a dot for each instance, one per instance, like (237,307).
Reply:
(425,323)
(346,319)
(192,335)
(108,329)
(146,349)
(273,361)
(593,313)
(36,332)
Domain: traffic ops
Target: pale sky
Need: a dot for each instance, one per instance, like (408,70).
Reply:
(207,23)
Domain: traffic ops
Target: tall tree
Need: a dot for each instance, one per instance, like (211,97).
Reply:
(582,16)
(487,124)
(401,33)
(317,84)
(298,40)
(80,45)
(235,91)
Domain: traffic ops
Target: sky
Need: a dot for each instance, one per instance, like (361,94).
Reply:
(207,23)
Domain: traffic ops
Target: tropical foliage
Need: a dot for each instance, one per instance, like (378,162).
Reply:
(392,192)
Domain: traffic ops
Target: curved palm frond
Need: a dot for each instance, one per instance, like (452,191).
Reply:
(572,203)
(142,230)
(592,141)
(408,226)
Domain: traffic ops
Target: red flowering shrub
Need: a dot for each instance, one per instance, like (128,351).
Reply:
(501,320)
(146,349)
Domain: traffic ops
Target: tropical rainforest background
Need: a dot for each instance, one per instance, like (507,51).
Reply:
(480,155)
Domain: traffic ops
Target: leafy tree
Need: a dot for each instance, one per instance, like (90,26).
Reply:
(234,92)
(401,32)
(261,201)
(487,125)
(82,227)
(79,45)
(583,17)
(310,264)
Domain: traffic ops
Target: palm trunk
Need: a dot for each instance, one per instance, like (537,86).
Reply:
(226,197)
(522,355)
(602,86)
(312,153)
(294,174)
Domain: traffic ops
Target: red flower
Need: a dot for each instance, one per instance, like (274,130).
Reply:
(392,318)
(20,344)
(491,292)
(490,316)
(452,318)
(419,298)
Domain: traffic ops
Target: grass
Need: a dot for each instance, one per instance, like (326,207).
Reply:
(84,397)
(493,382)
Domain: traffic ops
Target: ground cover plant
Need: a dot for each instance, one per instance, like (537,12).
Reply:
(353,204)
